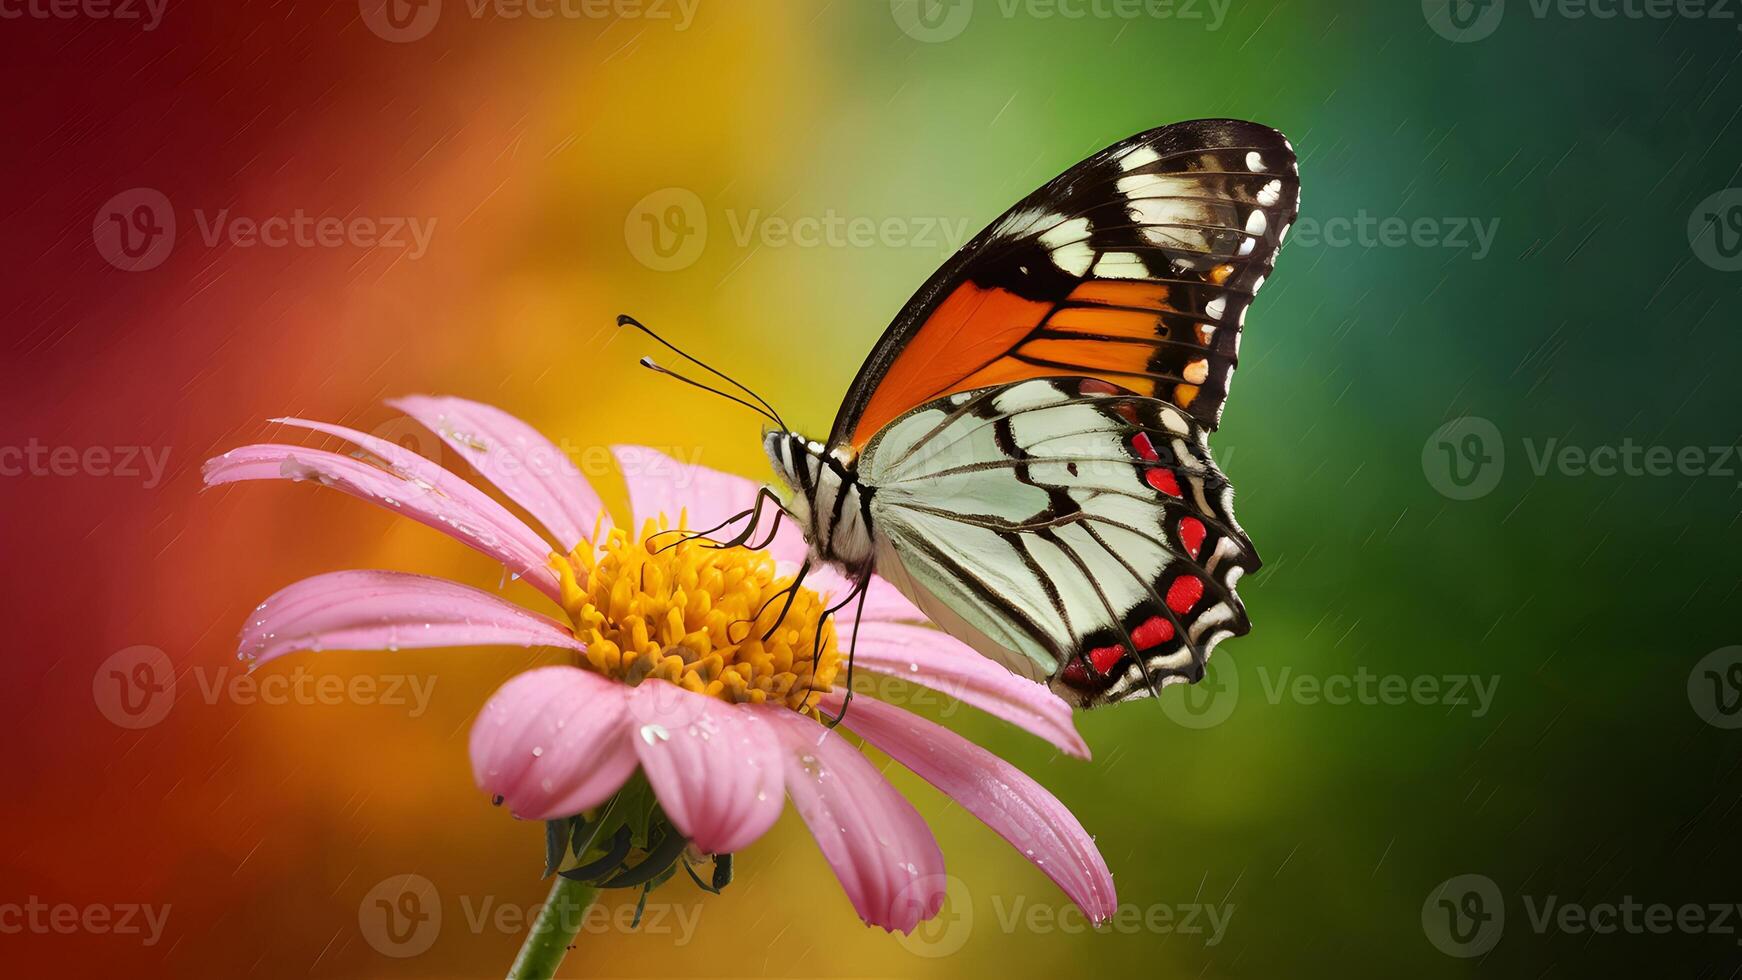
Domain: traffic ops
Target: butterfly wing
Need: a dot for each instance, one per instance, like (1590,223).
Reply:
(1074,531)
(1136,266)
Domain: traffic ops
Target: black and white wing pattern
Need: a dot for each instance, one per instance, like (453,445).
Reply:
(1071,529)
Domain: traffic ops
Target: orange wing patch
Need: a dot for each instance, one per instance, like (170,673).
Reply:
(1139,324)
(1106,328)
(971,328)
(1096,358)
(1122,292)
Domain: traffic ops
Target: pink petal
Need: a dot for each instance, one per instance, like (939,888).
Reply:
(939,661)
(716,767)
(448,504)
(366,610)
(1005,799)
(883,853)
(553,742)
(659,485)
(513,456)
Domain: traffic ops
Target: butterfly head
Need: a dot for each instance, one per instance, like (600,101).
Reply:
(788,452)
(820,488)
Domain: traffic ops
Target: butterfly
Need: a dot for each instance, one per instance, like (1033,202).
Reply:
(1024,453)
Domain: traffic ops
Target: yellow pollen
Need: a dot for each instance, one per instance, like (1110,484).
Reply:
(695,616)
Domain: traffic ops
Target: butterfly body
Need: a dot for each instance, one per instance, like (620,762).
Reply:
(827,498)
(1025,452)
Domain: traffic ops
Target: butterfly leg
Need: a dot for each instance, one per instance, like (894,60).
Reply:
(791,593)
(754,514)
(861,589)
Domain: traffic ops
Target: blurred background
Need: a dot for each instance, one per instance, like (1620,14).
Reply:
(1490,716)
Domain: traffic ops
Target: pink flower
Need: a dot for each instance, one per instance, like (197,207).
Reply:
(670,670)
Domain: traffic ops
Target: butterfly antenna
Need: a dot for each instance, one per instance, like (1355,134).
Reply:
(625,320)
(651,365)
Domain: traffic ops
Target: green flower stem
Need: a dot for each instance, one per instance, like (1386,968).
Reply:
(554,931)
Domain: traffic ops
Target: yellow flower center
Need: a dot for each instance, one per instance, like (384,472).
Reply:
(682,611)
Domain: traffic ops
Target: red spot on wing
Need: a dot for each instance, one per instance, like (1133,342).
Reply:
(1184,593)
(1144,447)
(1153,632)
(1100,386)
(1191,534)
(1105,658)
(1162,480)
(1076,673)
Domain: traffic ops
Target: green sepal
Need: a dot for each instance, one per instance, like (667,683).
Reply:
(626,843)
(557,836)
